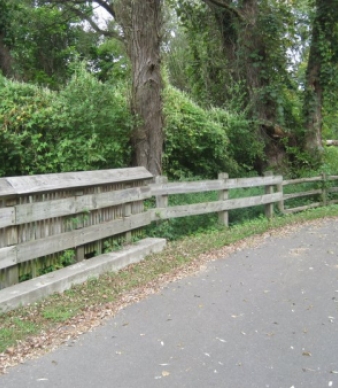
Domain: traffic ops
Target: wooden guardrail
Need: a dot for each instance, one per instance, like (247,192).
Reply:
(43,216)
(46,217)
(162,189)
(322,193)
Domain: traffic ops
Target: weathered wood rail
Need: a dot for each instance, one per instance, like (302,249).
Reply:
(322,194)
(44,216)
(162,189)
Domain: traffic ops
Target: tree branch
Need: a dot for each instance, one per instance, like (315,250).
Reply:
(71,5)
(107,6)
(95,27)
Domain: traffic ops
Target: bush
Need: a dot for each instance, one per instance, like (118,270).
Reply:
(331,160)
(196,144)
(85,126)
(244,146)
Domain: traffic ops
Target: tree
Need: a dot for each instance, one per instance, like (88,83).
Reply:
(137,23)
(6,14)
(321,71)
(141,22)
(253,40)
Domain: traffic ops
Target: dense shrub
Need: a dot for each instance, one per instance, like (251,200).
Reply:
(331,160)
(244,146)
(196,143)
(86,126)
(83,127)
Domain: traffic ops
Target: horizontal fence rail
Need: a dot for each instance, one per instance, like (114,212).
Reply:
(162,189)
(43,217)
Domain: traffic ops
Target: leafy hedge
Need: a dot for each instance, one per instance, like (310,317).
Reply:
(196,143)
(85,126)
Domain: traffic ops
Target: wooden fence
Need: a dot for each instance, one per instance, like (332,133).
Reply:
(46,218)
(43,216)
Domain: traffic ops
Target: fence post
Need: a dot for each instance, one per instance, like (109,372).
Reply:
(281,203)
(126,214)
(12,238)
(161,200)
(268,190)
(324,189)
(79,250)
(223,195)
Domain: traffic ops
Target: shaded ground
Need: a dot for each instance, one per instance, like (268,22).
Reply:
(266,316)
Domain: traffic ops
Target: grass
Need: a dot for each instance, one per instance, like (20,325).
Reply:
(94,294)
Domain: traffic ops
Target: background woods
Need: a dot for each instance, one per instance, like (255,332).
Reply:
(181,87)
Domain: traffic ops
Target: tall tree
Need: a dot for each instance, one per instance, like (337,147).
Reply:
(254,39)
(321,70)
(141,21)
(6,15)
(138,24)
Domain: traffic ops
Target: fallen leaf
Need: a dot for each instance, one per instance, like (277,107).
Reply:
(307,354)
(165,373)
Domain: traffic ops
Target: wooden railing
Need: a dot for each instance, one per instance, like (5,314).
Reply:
(322,194)
(162,189)
(42,217)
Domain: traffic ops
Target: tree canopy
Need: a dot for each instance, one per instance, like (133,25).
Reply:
(256,77)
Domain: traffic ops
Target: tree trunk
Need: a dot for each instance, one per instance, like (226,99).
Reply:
(141,22)
(320,52)
(248,56)
(5,58)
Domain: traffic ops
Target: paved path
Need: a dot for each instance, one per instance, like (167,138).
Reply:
(264,317)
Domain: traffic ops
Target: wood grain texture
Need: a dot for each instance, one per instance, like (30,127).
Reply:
(211,207)
(53,182)
(302,194)
(59,242)
(7,217)
(7,257)
(212,185)
(78,204)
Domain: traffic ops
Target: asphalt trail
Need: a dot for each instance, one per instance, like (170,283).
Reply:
(261,318)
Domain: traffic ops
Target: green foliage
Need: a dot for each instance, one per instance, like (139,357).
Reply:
(330,165)
(44,40)
(244,146)
(98,124)
(85,126)
(109,62)
(64,260)
(196,144)
(196,60)
(178,228)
